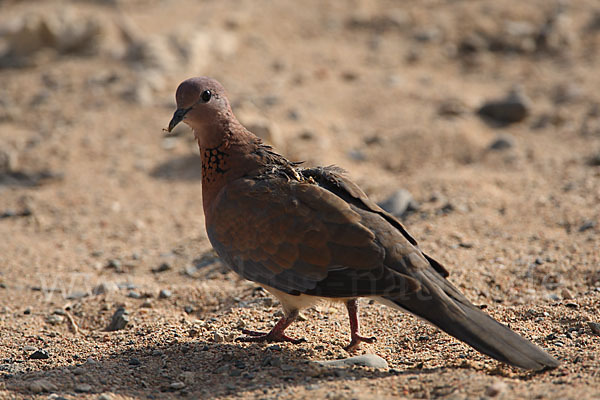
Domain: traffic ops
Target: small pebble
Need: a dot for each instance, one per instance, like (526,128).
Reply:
(161,268)
(566,294)
(187,377)
(357,155)
(83,388)
(272,361)
(177,385)
(39,355)
(146,304)
(365,360)
(495,389)
(589,224)
(134,295)
(134,361)
(400,203)
(502,142)
(222,369)
(554,296)
(218,338)
(119,320)
(188,309)
(79,371)
(55,319)
(105,287)
(164,294)
(115,264)
(513,108)
(452,108)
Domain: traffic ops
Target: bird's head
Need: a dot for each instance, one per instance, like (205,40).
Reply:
(202,104)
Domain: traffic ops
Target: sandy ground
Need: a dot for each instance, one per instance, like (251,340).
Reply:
(100,211)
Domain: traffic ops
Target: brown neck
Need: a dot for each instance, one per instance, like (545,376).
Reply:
(217,166)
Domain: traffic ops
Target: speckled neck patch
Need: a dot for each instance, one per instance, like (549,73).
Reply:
(214,163)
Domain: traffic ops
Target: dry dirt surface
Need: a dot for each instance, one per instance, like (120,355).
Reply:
(101,214)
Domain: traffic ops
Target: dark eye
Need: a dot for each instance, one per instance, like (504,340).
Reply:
(205,96)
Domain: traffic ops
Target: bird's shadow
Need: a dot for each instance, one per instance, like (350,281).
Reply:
(186,168)
(202,369)
(28,178)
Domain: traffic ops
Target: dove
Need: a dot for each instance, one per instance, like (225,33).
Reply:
(309,233)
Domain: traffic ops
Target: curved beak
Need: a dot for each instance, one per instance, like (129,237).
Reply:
(177,118)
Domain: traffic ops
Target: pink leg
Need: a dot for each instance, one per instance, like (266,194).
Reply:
(275,335)
(356,338)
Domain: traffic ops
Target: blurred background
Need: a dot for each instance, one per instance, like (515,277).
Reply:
(476,122)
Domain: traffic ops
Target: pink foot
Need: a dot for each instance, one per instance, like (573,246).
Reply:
(254,336)
(357,340)
(276,334)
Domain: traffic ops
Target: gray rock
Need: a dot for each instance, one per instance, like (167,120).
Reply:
(177,385)
(502,142)
(495,389)
(105,287)
(595,327)
(218,337)
(513,108)
(55,319)
(134,295)
(594,160)
(566,294)
(42,385)
(357,155)
(116,264)
(400,203)
(164,294)
(365,360)
(76,295)
(119,320)
(83,388)
(452,107)
(79,371)
(134,361)
(393,19)
(272,361)
(554,297)
(589,224)
(146,304)
(162,268)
